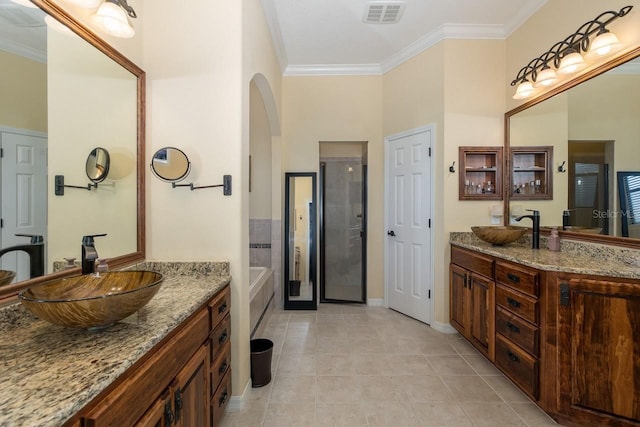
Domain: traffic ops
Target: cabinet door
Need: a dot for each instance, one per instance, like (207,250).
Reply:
(482,292)
(160,414)
(191,398)
(458,299)
(599,351)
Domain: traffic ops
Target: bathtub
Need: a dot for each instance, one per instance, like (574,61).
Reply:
(260,293)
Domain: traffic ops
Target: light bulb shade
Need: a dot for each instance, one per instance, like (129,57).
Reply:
(571,63)
(87,4)
(524,90)
(112,19)
(25,3)
(546,77)
(604,44)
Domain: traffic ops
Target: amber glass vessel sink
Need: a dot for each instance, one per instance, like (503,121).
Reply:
(92,301)
(6,277)
(498,234)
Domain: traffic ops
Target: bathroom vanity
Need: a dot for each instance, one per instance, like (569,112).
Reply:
(563,326)
(168,364)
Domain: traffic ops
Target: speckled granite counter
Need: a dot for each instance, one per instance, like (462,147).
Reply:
(48,373)
(575,257)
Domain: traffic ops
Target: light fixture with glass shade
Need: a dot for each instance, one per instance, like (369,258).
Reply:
(546,77)
(571,62)
(604,44)
(111,17)
(568,56)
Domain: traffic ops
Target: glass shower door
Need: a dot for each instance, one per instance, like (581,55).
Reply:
(343,231)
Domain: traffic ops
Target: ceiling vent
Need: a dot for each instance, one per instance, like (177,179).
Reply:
(383,12)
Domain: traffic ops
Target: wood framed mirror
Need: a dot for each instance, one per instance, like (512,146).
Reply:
(592,124)
(300,242)
(74,123)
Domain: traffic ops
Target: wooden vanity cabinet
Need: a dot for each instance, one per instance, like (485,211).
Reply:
(171,385)
(472,298)
(598,350)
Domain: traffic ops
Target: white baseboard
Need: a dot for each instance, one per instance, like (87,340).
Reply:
(375,302)
(445,328)
(236,403)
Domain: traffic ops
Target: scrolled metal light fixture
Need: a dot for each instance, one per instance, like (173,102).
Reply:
(568,56)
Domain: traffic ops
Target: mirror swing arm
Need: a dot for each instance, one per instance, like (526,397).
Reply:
(226,185)
(60,185)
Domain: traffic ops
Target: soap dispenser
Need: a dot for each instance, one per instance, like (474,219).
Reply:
(553,242)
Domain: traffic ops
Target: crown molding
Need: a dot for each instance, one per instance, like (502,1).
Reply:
(24,51)
(523,15)
(333,70)
(269,10)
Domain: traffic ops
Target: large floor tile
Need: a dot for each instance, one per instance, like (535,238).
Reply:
(290,415)
(441,414)
(293,389)
(341,415)
(492,415)
(470,389)
(450,365)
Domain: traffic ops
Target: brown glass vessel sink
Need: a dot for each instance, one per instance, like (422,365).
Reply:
(92,301)
(499,234)
(6,277)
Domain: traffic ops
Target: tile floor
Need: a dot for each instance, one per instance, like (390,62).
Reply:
(356,366)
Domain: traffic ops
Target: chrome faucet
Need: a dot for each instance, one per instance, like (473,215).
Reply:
(89,253)
(35,250)
(535,237)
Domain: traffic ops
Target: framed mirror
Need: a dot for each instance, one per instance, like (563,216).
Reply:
(592,124)
(97,166)
(300,243)
(170,164)
(81,93)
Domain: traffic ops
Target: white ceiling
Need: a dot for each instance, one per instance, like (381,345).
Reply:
(329,36)
(23,31)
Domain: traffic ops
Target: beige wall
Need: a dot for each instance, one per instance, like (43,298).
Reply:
(339,108)
(24,93)
(92,103)
(260,151)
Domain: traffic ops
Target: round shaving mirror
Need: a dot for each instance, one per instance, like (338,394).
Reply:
(170,164)
(98,165)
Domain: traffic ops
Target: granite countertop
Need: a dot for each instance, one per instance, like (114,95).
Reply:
(48,372)
(574,257)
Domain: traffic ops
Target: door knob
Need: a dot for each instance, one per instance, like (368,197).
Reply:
(391,233)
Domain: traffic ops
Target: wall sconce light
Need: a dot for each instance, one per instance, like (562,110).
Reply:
(111,17)
(568,56)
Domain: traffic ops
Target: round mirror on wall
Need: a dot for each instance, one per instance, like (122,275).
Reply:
(98,165)
(170,164)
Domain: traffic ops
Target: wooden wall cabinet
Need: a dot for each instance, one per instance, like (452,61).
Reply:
(480,175)
(598,350)
(531,173)
(185,381)
(472,299)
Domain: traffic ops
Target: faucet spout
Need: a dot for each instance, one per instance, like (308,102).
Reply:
(89,253)
(35,250)
(535,236)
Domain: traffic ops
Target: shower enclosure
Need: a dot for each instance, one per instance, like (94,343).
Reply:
(343,207)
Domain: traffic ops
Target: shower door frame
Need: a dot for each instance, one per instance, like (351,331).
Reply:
(363,234)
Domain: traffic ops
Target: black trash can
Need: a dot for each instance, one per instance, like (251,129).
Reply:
(294,288)
(261,352)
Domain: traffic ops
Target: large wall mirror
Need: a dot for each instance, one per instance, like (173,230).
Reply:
(64,92)
(593,124)
(300,243)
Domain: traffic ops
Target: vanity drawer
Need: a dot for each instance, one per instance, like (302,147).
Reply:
(220,366)
(219,307)
(517,330)
(221,399)
(518,303)
(473,261)
(220,336)
(518,365)
(521,278)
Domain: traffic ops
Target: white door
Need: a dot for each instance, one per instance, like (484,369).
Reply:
(24,195)
(408,261)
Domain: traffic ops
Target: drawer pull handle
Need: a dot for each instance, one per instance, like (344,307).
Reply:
(513,327)
(513,277)
(178,403)
(223,337)
(223,368)
(513,357)
(223,398)
(222,308)
(513,302)
(168,414)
